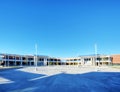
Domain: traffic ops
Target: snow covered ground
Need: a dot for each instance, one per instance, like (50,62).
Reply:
(60,79)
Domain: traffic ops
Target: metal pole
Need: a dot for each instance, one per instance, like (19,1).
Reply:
(96,52)
(36,57)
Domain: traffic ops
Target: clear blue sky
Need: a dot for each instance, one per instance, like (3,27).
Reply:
(61,28)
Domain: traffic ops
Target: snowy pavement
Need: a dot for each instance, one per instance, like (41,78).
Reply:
(60,79)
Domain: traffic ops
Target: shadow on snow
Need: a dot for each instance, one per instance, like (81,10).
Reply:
(63,82)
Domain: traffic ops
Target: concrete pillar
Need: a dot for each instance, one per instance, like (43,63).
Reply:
(21,61)
(45,61)
(27,60)
(34,60)
(15,60)
(5,60)
(82,61)
(79,61)
(109,60)
(8,61)
(94,61)
(30,62)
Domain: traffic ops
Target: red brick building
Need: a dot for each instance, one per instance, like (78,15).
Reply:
(116,59)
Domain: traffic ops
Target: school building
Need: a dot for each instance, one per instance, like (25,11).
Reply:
(42,60)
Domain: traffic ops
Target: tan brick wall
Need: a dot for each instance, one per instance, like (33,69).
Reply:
(116,59)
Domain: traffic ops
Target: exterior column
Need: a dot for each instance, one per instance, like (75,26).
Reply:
(45,61)
(27,60)
(79,61)
(30,62)
(103,62)
(94,61)
(109,59)
(34,60)
(15,60)
(20,60)
(5,60)
(57,61)
(82,61)
(8,61)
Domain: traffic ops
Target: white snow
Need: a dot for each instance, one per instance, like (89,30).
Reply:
(5,81)
(60,79)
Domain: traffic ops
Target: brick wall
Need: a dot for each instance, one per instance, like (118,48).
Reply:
(116,59)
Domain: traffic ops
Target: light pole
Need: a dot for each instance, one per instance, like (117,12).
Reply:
(35,57)
(95,53)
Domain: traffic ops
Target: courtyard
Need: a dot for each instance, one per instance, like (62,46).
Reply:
(60,79)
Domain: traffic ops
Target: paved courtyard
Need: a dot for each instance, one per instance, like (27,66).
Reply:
(60,79)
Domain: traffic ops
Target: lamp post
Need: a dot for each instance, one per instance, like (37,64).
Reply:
(35,57)
(95,53)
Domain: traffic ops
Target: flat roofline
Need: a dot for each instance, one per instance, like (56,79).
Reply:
(22,55)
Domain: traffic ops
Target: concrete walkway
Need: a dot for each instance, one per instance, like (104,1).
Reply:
(60,79)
